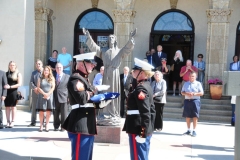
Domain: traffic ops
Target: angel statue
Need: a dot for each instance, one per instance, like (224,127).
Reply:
(112,57)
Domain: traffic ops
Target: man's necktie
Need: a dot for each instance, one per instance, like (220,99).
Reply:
(125,77)
(59,79)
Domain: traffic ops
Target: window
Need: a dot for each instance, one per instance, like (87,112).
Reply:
(173,21)
(95,20)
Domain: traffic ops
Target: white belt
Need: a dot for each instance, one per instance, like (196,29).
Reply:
(129,112)
(85,105)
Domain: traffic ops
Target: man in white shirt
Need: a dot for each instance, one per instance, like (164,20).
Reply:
(98,77)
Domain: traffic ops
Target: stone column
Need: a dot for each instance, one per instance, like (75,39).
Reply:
(123,25)
(42,15)
(217,39)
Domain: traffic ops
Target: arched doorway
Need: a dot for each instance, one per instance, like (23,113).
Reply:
(99,24)
(237,47)
(174,30)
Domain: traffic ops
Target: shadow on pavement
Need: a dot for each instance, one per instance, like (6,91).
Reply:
(204,147)
(212,157)
(10,156)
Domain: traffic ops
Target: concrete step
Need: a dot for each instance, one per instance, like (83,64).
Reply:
(203,100)
(202,118)
(203,106)
(202,111)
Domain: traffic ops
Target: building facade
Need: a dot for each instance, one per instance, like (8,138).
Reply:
(30,30)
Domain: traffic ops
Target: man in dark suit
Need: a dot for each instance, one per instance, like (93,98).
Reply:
(60,97)
(125,82)
(150,57)
(3,92)
(158,56)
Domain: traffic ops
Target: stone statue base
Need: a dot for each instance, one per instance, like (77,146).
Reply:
(111,134)
(108,120)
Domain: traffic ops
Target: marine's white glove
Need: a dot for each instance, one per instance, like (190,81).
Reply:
(140,140)
(104,103)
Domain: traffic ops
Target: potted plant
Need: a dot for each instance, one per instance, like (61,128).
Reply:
(215,86)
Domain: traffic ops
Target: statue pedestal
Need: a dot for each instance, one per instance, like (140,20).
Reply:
(111,134)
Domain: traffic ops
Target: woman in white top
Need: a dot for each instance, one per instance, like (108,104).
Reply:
(159,96)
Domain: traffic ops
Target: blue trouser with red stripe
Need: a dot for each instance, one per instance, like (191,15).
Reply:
(139,151)
(82,146)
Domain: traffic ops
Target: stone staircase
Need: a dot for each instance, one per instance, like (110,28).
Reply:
(219,111)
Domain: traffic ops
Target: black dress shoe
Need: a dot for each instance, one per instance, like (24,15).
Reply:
(1,127)
(32,124)
(56,129)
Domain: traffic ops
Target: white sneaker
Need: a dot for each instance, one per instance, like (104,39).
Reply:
(173,94)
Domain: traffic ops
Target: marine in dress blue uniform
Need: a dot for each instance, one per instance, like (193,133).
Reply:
(139,123)
(81,122)
(192,90)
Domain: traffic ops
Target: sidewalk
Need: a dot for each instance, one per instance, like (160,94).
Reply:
(213,142)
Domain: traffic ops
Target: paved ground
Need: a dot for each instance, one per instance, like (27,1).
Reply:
(213,142)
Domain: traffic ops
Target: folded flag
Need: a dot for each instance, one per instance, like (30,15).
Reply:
(104,96)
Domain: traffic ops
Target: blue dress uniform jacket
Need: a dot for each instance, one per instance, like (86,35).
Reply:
(140,124)
(81,120)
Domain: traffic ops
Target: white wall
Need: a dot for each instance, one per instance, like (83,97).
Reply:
(17,34)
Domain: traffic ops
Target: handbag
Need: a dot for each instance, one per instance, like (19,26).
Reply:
(157,98)
(19,96)
(172,67)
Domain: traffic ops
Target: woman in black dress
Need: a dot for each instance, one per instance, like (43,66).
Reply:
(178,63)
(14,81)
(52,61)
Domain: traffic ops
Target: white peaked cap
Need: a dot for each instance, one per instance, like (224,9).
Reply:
(142,65)
(85,56)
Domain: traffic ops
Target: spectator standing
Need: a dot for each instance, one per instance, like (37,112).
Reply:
(98,77)
(158,56)
(36,75)
(233,104)
(235,65)
(126,83)
(192,90)
(66,60)
(60,98)
(14,79)
(176,66)
(200,65)
(159,88)
(3,94)
(185,72)
(139,123)
(45,87)
(164,69)
(52,61)
(149,56)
